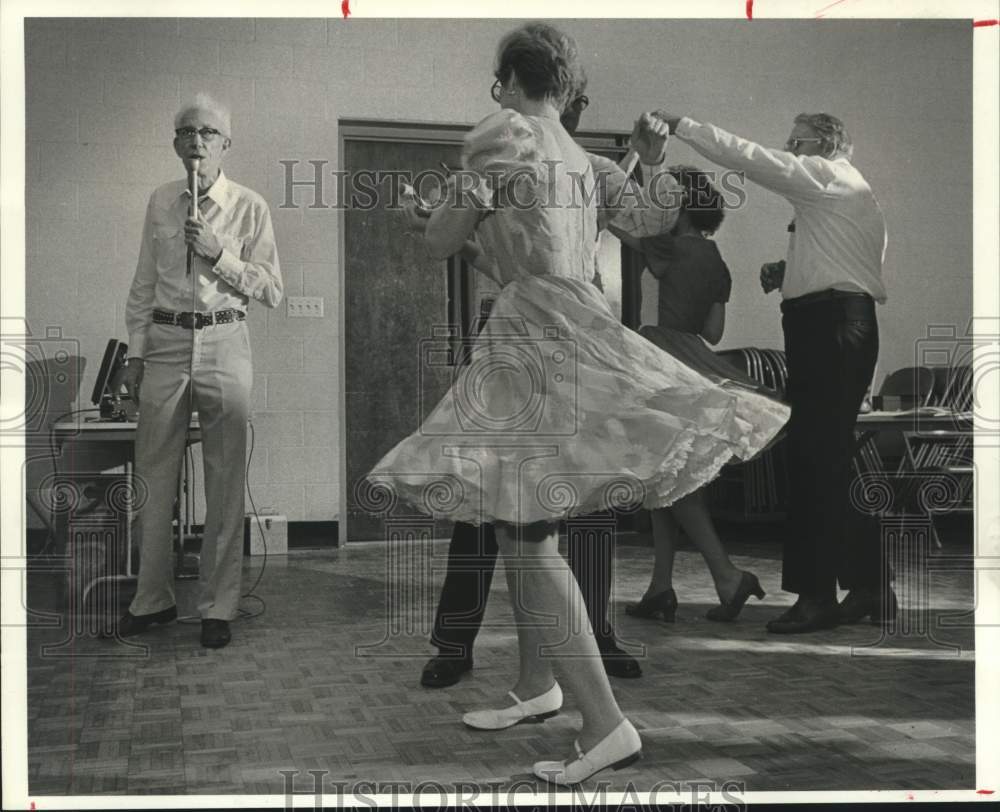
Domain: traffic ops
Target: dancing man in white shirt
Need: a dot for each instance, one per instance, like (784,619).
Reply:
(189,350)
(829,286)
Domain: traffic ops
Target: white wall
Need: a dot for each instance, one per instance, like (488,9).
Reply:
(101,95)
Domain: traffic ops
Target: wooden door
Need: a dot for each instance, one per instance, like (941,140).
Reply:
(397,300)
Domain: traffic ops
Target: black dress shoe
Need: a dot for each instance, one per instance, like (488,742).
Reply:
(807,615)
(215,633)
(879,605)
(130,624)
(442,671)
(661,606)
(617,663)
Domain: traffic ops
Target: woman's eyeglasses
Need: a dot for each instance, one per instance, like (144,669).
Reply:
(580,103)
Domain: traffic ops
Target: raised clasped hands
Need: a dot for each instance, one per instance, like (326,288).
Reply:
(671,120)
(650,135)
(649,139)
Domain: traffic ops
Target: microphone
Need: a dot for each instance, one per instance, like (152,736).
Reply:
(192,164)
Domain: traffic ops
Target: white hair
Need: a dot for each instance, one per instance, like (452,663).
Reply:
(835,139)
(202,101)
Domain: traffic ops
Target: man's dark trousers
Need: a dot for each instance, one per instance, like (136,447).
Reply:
(831,345)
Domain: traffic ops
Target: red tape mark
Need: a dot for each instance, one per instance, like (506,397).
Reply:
(749,9)
(985,791)
(983,23)
(345,8)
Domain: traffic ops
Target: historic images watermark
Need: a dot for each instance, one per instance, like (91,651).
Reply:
(524,188)
(327,793)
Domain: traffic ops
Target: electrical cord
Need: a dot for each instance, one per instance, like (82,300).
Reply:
(249,594)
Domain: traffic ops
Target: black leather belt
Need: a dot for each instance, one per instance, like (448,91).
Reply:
(821,296)
(195,321)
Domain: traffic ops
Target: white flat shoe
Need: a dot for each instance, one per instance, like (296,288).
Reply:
(621,747)
(536,710)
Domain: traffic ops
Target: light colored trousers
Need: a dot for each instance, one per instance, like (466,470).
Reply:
(207,370)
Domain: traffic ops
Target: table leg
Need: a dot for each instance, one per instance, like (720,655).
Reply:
(130,484)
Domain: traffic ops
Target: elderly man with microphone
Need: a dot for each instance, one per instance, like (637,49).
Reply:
(207,250)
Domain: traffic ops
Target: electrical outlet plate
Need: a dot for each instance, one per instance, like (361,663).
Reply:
(305,307)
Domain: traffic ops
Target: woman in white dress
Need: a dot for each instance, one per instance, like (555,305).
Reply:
(561,410)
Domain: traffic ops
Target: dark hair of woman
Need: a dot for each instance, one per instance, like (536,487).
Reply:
(702,201)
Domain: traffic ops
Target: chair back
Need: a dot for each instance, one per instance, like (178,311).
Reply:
(766,366)
(910,386)
(757,489)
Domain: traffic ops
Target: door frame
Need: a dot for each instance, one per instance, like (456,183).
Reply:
(607,142)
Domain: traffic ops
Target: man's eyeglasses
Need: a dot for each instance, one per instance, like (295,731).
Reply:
(206,133)
(793,144)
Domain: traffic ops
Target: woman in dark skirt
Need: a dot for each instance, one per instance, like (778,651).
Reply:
(694,287)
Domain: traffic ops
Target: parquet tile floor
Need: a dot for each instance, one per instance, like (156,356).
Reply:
(328,679)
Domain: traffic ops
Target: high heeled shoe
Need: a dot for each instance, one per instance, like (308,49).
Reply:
(661,606)
(537,709)
(621,747)
(728,611)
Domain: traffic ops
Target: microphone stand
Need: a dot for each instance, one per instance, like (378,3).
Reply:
(192,165)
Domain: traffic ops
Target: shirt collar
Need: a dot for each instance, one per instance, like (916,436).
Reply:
(218,192)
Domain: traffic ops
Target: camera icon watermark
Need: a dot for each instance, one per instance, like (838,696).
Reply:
(966,365)
(518,381)
(50,367)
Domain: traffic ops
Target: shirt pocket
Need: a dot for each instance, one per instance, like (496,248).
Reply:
(169,246)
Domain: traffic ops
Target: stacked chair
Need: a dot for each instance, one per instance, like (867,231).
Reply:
(906,388)
(921,465)
(950,457)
